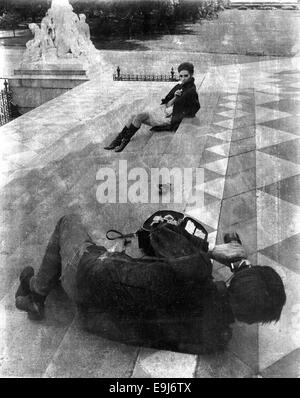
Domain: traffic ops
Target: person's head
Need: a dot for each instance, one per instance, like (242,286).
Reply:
(186,71)
(33,27)
(256,295)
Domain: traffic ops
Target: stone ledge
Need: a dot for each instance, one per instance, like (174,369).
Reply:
(52,71)
(49,83)
(33,87)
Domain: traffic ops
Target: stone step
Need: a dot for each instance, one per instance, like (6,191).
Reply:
(164,364)
(27,347)
(82,354)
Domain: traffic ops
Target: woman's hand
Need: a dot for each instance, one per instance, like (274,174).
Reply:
(178,93)
(168,111)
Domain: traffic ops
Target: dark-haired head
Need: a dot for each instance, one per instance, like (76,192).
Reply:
(257,294)
(186,66)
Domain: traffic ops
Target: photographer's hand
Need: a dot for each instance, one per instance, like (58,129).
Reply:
(228,253)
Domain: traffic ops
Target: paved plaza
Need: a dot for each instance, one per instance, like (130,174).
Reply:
(245,137)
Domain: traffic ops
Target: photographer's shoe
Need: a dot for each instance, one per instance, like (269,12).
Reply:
(26,300)
(32,304)
(24,287)
(232,237)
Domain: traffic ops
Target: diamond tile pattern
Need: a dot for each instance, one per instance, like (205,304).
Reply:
(286,367)
(289,124)
(287,189)
(262,192)
(291,106)
(276,340)
(289,150)
(286,252)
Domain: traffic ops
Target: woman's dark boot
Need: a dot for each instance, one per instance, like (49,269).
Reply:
(117,141)
(126,138)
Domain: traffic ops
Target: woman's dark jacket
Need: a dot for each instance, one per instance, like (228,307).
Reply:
(159,303)
(185,105)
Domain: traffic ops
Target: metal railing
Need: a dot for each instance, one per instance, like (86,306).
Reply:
(5,102)
(172,77)
(8,111)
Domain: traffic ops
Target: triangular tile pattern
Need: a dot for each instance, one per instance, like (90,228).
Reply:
(208,199)
(213,187)
(233,113)
(209,214)
(287,189)
(244,121)
(271,169)
(228,114)
(266,136)
(289,124)
(270,133)
(218,118)
(285,252)
(223,108)
(222,149)
(229,104)
(263,98)
(228,124)
(291,106)
(214,161)
(276,340)
(240,208)
(228,100)
(286,367)
(277,220)
(209,156)
(278,211)
(263,114)
(219,166)
(240,182)
(213,140)
(243,133)
(225,135)
(210,175)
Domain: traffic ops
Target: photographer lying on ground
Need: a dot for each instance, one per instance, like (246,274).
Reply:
(167,301)
(182,101)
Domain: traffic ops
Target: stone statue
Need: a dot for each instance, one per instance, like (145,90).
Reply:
(62,36)
(83,28)
(47,31)
(59,4)
(34,47)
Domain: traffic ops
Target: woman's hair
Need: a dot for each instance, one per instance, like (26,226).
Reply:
(186,66)
(257,295)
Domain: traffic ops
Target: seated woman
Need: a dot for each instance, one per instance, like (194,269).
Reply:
(182,101)
(169,301)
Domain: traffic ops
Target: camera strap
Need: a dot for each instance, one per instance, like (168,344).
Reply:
(119,235)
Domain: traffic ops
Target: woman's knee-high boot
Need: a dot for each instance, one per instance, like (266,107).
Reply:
(126,138)
(117,141)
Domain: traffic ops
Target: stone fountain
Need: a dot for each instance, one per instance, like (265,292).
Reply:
(59,57)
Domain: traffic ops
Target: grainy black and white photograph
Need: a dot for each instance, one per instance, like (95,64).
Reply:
(149,190)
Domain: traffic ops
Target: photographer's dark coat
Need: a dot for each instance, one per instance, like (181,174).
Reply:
(161,303)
